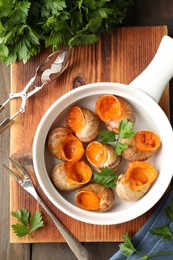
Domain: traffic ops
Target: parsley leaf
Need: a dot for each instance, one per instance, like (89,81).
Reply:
(21,215)
(127,248)
(106,177)
(119,148)
(169,211)
(125,131)
(27,225)
(82,38)
(3,51)
(107,136)
(36,221)
(20,230)
(163,231)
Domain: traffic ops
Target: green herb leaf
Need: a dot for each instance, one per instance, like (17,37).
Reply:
(169,211)
(106,177)
(127,248)
(36,221)
(82,38)
(107,136)
(20,230)
(120,147)
(22,216)
(26,226)
(3,51)
(126,129)
(163,231)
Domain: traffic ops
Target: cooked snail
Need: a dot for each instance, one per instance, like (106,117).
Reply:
(112,110)
(142,146)
(84,123)
(133,184)
(69,176)
(102,155)
(95,197)
(64,145)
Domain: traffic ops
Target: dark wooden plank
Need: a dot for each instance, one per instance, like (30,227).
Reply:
(155,12)
(60,251)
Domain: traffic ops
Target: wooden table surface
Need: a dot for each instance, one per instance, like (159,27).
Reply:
(143,13)
(130,50)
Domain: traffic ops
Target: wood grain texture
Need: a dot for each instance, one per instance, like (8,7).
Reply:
(7,250)
(118,57)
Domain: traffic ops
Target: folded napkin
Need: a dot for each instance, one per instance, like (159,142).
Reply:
(147,243)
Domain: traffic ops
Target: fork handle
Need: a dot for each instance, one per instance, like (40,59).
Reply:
(80,252)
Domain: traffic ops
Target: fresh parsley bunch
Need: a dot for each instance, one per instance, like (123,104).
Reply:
(25,25)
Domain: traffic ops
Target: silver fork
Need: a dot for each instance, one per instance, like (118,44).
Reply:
(26,183)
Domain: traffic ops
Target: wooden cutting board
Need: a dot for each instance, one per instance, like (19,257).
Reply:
(118,57)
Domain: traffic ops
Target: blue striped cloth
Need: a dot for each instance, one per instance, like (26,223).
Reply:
(147,243)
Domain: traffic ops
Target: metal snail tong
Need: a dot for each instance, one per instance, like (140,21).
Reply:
(47,72)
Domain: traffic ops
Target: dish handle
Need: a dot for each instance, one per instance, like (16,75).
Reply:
(157,74)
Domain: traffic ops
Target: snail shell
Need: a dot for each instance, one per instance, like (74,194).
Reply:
(112,110)
(68,176)
(142,146)
(102,155)
(84,123)
(138,179)
(64,145)
(96,197)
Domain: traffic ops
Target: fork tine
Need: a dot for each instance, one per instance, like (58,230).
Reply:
(20,168)
(12,174)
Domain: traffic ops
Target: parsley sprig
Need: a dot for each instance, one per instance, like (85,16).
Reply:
(127,248)
(125,131)
(164,231)
(106,177)
(26,224)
